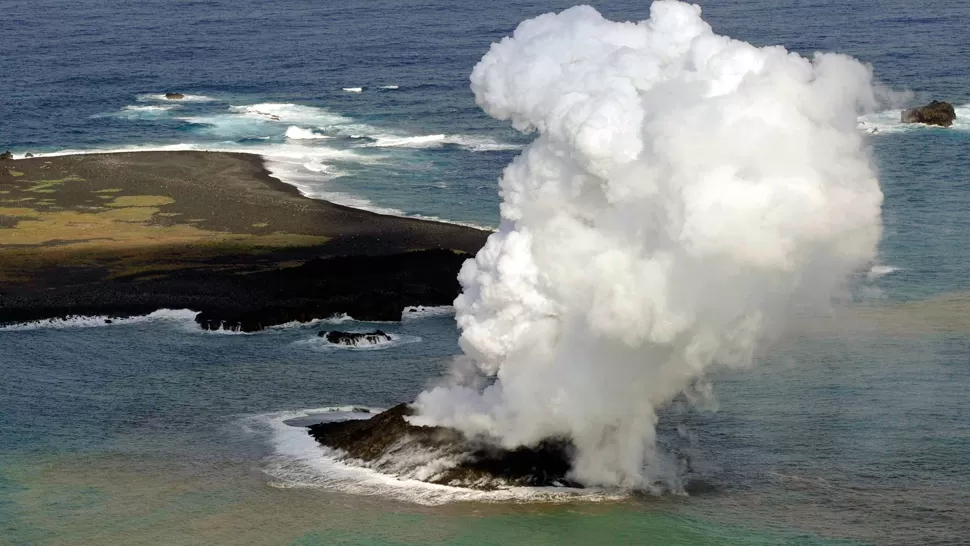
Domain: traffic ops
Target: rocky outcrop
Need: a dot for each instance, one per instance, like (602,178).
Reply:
(28,155)
(354,339)
(174,96)
(6,155)
(934,113)
(388,443)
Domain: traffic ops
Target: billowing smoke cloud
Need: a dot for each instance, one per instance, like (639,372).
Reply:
(685,194)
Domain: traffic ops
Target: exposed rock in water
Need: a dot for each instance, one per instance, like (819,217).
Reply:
(934,113)
(355,338)
(28,155)
(6,155)
(389,444)
(174,96)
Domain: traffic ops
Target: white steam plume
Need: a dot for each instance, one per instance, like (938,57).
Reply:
(686,193)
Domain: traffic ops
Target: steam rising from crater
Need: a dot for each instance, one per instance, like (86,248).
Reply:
(685,194)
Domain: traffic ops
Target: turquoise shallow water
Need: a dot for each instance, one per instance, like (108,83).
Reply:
(854,430)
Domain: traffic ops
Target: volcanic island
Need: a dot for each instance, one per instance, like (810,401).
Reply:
(125,234)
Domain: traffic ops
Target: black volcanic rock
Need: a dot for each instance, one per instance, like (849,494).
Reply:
(355,338)
(6,155)
(934,113)
(174,96)
(373,288)
(387,443)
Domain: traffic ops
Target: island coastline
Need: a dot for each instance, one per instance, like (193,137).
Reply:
(124,234)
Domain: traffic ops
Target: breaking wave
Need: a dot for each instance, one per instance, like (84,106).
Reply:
(298,133)
(321,343)
(291,113)
(182,316)
(471,143)
(418,312)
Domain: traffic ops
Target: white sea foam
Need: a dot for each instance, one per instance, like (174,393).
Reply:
(299,133)
(418,312)
(182,146)
(137,112)
(291,113)
(336,319)
(471,143)
(150,108)
(181,316)
(881,271)
(161,97)
(887,122)
(299,461)
(353,89)
(390,87)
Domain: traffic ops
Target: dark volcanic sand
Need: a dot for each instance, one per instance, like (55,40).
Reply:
(122,234)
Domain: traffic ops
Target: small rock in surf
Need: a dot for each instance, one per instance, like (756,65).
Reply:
(355,338)
(934,113)
(174,96)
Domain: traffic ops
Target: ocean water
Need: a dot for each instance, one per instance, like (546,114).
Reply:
(854,430)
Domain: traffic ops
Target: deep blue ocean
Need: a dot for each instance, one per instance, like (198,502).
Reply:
(149,431)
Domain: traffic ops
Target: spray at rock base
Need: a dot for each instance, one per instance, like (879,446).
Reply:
(686,193)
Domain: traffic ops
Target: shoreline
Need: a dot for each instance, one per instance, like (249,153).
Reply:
(125,234)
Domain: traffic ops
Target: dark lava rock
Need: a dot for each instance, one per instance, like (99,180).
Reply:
(174,96)
(387,443)
(934,113)
(355,338)
(6,155)
(373,288)
(28,154)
